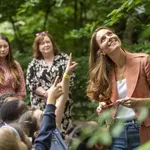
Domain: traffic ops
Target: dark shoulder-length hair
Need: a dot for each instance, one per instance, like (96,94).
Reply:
(100,66)
(11,65)
(38,39)
(9,114)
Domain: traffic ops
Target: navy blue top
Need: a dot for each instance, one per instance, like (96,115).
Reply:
(43,141)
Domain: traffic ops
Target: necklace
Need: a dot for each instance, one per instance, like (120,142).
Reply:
(121,75)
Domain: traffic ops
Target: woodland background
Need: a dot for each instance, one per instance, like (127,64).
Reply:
(71,23)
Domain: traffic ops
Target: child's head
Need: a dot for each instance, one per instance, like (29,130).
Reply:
(31,121)
(12,110)
(12,137)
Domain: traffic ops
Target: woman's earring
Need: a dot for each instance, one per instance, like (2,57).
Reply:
(103,53)
(98,53)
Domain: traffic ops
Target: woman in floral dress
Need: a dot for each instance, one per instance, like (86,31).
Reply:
(47,64)
(11,75)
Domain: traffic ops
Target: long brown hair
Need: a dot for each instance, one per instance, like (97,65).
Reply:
(99,85)
(11,65)
(38,39)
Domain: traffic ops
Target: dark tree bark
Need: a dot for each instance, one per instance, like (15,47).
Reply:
(129,30)
(75,13)
(17,36)
(46,16)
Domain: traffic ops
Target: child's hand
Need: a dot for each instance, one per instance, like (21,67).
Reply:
(70,65)
(54,92)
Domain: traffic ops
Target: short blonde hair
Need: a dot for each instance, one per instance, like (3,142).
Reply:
(8,139)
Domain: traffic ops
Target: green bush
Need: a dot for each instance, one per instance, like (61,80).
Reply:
(83,108)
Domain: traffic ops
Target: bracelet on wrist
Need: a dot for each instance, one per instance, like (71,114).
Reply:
(66,76)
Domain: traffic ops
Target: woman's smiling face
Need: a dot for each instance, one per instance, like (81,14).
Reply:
(46,46)
(107,41)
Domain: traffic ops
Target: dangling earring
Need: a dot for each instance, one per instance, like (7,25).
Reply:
(103,53)
(98,53)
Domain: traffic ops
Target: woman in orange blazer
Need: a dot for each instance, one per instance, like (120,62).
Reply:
(123,79)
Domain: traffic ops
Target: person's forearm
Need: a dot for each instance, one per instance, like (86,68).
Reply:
(61,102)
(143,101)
(40,91)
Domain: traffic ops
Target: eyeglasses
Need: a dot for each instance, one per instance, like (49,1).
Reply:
(41,33)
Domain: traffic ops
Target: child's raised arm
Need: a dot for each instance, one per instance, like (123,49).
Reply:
(60,103)
(54,92)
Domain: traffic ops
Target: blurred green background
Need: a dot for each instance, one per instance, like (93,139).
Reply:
(71,23)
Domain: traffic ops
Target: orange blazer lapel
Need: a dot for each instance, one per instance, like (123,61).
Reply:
(132,72)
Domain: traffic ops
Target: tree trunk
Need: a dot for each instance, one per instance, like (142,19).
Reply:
(17,37)
(46,17)
(129,30)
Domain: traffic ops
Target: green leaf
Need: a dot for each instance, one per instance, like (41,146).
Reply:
(143,113)
(116,129)
(59,3)
(145,146)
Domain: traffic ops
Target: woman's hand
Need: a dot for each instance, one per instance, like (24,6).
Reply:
(70,65)
(102,106)
(129,102)
(54,92)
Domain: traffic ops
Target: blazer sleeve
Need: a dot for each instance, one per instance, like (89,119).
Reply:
(22,89)
(43,141)
(147,68)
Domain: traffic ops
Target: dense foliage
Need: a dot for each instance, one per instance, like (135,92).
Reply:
(71,24)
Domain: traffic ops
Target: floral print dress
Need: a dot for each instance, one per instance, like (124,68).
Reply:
(39,74)
(9,85)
